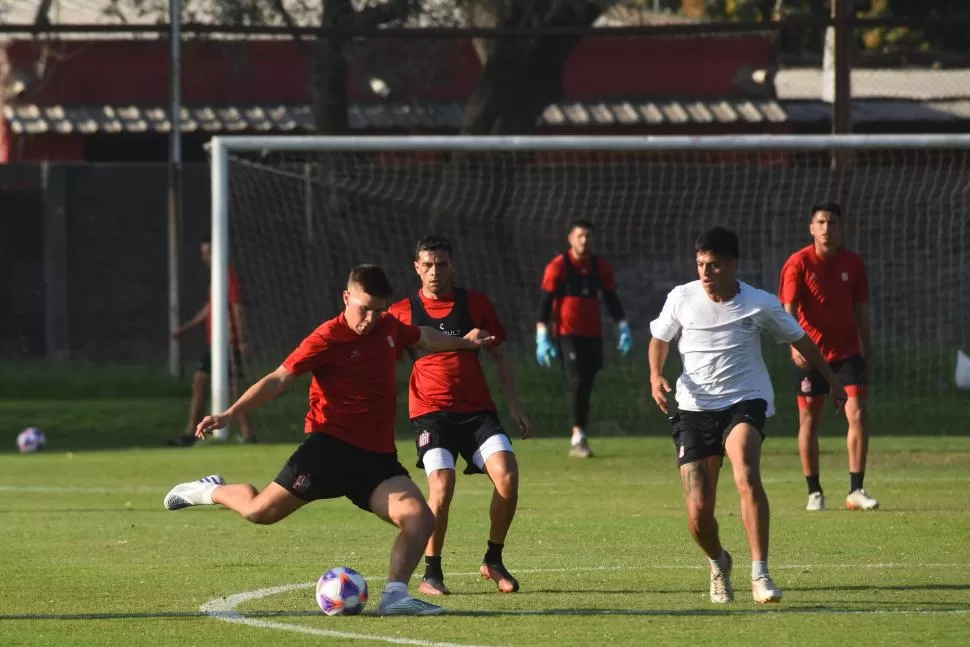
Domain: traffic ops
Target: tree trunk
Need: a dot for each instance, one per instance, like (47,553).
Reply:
(328,72)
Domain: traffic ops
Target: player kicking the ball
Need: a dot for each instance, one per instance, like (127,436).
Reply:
(824,285)
(349,448)
(452,411)
(723,397)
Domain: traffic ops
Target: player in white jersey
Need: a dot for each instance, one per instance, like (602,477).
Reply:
(723,397)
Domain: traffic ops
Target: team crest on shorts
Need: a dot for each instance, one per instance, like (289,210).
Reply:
(301,483)
(680,454)
(806,385)
(424,438)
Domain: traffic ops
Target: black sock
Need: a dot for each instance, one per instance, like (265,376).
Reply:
(494,553)
(855,481)
(432,567)
(813,484)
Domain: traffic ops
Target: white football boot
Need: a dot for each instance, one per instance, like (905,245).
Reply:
(185,495)
(860,500)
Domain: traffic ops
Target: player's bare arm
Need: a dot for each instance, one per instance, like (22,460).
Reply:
(659,386)
(816,360)
(796,357)
(197,320)
(510,387)
(255,396)
(863,322)
(432,341)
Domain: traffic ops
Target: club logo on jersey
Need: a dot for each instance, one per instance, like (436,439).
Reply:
(301,483)
(806,385)
(845,277)
(355,354)
(424,438)
(390,341)
(451,333)
(812,277)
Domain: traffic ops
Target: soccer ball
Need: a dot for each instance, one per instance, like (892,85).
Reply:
(30,440)
(342,591)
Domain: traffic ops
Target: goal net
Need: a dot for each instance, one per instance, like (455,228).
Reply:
(301,212)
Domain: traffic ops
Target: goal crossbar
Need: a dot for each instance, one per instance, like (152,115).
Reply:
(222,147)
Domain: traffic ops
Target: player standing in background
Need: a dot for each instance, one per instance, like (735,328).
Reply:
(723,397)
(824,285)
(349,449)
(571,287)
(240,349)
(452,412)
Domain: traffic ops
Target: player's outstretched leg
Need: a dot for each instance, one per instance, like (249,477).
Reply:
(441,490)
(503,470)
(857,441)
(398,501)
(743,448)
(699,478)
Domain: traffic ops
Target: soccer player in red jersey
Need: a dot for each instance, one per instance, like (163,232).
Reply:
(240,349)
(349,448)
(452,412)
(824,285)
(571,287)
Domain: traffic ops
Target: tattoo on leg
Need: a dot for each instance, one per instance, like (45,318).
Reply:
(697,478)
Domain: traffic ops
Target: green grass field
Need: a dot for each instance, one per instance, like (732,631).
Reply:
(601,547)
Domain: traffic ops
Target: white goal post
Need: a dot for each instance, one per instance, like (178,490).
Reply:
(225,148)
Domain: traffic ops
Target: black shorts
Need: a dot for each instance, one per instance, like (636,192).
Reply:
(582,354)
(325,467)
(460,433)
(850,370)
(701,434)
(235,369)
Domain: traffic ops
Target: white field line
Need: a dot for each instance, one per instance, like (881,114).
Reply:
(225,608)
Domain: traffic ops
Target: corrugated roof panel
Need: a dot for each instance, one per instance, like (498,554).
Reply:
(675,112)
(699,112)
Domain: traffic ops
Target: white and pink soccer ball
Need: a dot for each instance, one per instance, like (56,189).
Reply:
(342,591)
(31,440)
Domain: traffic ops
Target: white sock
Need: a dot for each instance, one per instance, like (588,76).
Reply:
(206,495)
(721,562)
(394,591)
(759,569)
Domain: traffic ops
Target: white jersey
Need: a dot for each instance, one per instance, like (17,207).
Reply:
(720,344)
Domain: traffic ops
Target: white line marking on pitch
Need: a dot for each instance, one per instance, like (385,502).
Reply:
(225,608)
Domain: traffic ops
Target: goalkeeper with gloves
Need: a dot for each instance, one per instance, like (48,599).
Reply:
(571,287)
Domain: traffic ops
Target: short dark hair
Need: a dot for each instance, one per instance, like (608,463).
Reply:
(372,280)
(719,241)
(581,223)
(433,243)
(831,207)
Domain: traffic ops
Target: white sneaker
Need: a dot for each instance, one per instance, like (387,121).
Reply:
(408,606)
(764,591)
(721,590)
(860,500)
(816,501)
(185,495)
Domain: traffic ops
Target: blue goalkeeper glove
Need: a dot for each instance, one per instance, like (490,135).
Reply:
(625,344)
(545,350)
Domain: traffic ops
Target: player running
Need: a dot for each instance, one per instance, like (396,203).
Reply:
(571,286)
(349,448)
(452,412)
(723,398)
(824,285)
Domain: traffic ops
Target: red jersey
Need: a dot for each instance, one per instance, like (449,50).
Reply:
(353,394)
(451,381)
(235,297)
(826,291)
(576,287)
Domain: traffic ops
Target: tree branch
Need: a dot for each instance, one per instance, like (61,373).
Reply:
(376,15)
